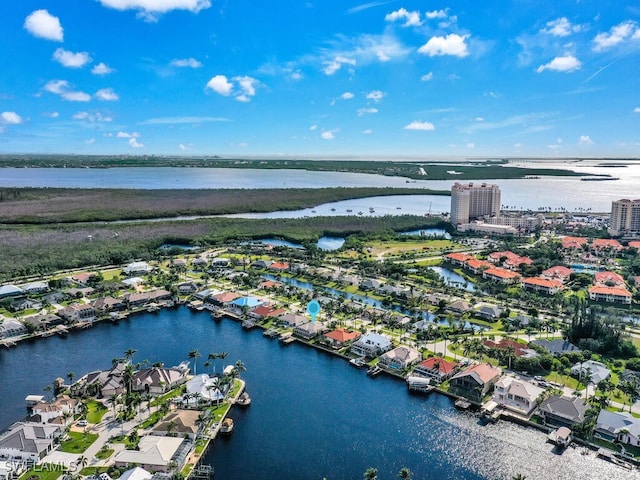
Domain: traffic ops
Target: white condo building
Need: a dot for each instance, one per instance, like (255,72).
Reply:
(469,202)
(625,217)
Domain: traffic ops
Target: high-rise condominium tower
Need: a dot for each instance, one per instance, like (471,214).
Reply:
(469,201)
(625,217)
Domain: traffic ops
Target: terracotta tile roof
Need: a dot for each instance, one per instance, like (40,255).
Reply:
(605,243)
(511,258)
(484,371)
(267,284)
(559,271)
(443,366)
(634,245)
(602,290)
(602,278)
(279,266)
(543,282)
(458,257)
(573,242)
(506,343)
(226,297)
(501,273)
(475,264)
(341,335)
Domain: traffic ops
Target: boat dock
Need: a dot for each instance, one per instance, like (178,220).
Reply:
(462,404)
(248,324)
(614,458)
(419,384)
(271,333)
(374,371)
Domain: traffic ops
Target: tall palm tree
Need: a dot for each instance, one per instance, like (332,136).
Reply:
(129,353)
(240,367)
(405,474)
(194,354)
(213,357)
(113,400)
(70,376)
(371,474)
(223,355)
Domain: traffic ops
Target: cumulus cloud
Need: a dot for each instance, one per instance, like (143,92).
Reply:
(51,114)
(585,140)
(185,147)
(560,27)
(133,143)
(297,75)
(149,10)
(426,77)
(436,14)
(332,66)
(375,95)
(363,111)
(10,118)
(185,63)
(122,134)
(41,23)
(347,96)
(220,85)
(452,44)
(313,127)
(411,19)
(328,135)
(247,84)
(418,125)
(71,59)
(92,117)
(636,110)
(627,30)
(367,131)
(568,63)
(107,95)
(64,90)
(102,69)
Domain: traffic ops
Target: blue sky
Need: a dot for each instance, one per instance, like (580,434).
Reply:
(378,78)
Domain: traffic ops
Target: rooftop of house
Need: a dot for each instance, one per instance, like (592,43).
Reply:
(543,282)
(444,367)
(570,408)
(501,273)
(483,372)
(342,335)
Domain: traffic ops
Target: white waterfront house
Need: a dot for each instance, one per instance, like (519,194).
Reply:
(371,345)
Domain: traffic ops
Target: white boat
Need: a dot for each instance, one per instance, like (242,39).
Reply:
(227,425)
(244,400)
(358,362)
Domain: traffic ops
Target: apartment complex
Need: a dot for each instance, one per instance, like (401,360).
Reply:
(469,202)
(625,217)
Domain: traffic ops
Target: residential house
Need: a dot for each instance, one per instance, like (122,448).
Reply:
(599,293)
(60,411)
(605,244)
(561,411)
(370,284)
(137,268)
(157,380)
(569,243)
(591,370)
(371,345)
(77,312)
(501,275)
(262,264)
(293,320)
(21,304)
(436,368)
(557,346)
(619,427)
(279,266)
(477,266)
(558,272)
(459,306)
(309,330)
(266,311)
(457,258)
(509,259)
(180,423)
(143,298)
(608,279)
(10,327)
(187,288)
(542,285)
(339,338)
(43,322)
(475,381)
(10,291)
(490,313)
(35,287)
(28,441)
(519,349)
(155,453)
(518,395)
(224,299)
(109,304)
(103,382)
(400,358)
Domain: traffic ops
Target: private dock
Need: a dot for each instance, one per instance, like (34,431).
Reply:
(462,404)
(614,458)
(271,333)
(419,384)
(374,371)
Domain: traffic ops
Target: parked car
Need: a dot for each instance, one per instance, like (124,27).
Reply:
(82,423)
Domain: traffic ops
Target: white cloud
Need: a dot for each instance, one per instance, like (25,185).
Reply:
(636,110)
(10,118)
(375,95)
(368,131)
(62,88)
(127,135)
(102,69)
(313,127)
(418,125)
(362,111)
(71,59)
(471,145)
(328,134)
(436,14)
(332,66)
(185,63)
(92,117)
(297,75)
(560,27)
(585,140)
(220,85)
(627,30)
(411,19)
(567,63)
(184,147)
(91,141)
(41,23)
(347,96)
(51,114)
(247,84)
(150,9)
(107,95)
(452,44)
(182,120)
(133,143)
(426,77)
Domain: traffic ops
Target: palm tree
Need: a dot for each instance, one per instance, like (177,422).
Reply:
(240,367)
(518,476)
(70,376)
(371,474)
(194,354)
(171,426)
(127,377)
(213,356)
(129,353)
(405,474)
(223,355)
(83,461)
(113,400)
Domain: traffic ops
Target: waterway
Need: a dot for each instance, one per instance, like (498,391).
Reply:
(554,192)
(313,415)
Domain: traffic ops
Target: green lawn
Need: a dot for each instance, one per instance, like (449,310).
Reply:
(154,418)
(104,453)
(176,392)
(86,471)
(42,472)
(95,411)
(78,442)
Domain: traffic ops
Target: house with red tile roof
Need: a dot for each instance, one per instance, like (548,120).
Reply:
(457,258)
(269,285)
(436,368)
(634,244)
(501,275)
(266,311)
(519,349)
(509,259)
(225,298)
(475,382)
(559,272)
(605,243)
(599,293)
(542,285)
(339,338)
(573,242)
(608,279)
(477,266)
(280,266)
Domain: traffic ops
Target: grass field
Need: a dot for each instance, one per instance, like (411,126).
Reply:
(78,442)
(386,249)
(42,472)
(95,411)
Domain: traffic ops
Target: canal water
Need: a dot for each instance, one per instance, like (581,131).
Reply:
(312,416)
